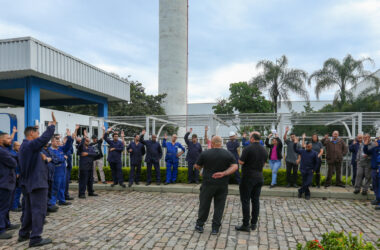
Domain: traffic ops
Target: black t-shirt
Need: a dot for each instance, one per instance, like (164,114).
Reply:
(215,160)
(254,157)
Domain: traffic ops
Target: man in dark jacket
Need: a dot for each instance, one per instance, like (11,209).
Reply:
(137,151)
(86,163)
(354,147)
(115,148)
(153,157)
(335,150)
(252,160)
(233,145)
(8,166)
(34,183)
(194,150)
(309,163)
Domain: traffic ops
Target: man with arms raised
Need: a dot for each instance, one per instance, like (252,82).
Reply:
(217,164)
(34,183)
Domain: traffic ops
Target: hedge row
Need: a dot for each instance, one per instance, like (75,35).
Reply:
(182,176)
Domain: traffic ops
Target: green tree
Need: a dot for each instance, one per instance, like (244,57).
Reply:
(345,76)
(223,107)
(279,80)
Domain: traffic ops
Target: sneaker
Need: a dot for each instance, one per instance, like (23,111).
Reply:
(243,228)
(272,185)
(41,243)
(52,209)
(69,198)
(65,203)
(82,196)
(364,192)
(356,191)
(5,236)
(214,231)
(253,227)
(93,194)
(199,229)
(13,227)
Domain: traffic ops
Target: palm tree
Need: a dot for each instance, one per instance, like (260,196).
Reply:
(278,80)
(345,76)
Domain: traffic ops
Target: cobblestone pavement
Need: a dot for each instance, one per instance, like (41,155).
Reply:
(138,220)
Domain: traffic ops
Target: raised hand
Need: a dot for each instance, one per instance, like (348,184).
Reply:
(270,135)
(244,135)
(326,136)
(85,133)
(143,132)
(54,122)
(68,133)
(109,129)
(122,133)
(191,130)
(296,140)
(77,126)
(165,136)
(206,128)
(14,130)
(303,136)
(287,129)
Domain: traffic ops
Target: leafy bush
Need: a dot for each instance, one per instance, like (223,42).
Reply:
(182,175)
(334,240)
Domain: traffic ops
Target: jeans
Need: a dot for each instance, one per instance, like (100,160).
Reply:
(274,166)
(207,194)
(250,190)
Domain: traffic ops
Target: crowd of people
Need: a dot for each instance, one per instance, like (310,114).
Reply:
(39,170)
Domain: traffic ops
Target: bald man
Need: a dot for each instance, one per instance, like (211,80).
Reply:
(217,165)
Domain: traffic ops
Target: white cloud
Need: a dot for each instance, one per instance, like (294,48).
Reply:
(208,86)
(8,30)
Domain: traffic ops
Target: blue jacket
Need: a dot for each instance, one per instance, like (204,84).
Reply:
(50,165)
(138,151)
(115,155)
(58,155)
(194,149)
(354,148)
(375,153)
(86,162)
(153,150)
(8,166)
(172,150)
(232,146)
(246,142)
(33,170)
(309,159)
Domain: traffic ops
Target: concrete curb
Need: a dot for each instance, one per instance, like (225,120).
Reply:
(331,192)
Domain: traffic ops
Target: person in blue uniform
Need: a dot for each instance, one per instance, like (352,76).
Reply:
(374,152)
(51,208)
(152,158)
(194,151)
(172,158)
(34,183)
(59,158)
(16,205)
(86,163)
(115,147)
(246,142)
(8,166)
(232,146)
(69,167)
(309,163)
(136,151)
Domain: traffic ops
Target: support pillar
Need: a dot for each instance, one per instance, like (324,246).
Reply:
(103,112)
(31,103)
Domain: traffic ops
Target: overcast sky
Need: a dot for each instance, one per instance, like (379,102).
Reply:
(226,38)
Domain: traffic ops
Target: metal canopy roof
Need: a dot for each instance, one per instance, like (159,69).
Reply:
(22,57)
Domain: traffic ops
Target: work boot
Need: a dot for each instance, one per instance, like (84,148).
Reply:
(82,196)
(13,227)
(93,194)
(253,227)
(41,243)
(364,192)
(5,236)
(69,198)
(356,191)
(22,239)
(243,228)
(64,203)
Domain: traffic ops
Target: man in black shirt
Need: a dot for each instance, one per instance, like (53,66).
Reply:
(217,164)
(253,160)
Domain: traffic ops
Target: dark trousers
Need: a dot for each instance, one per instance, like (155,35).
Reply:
(134,174)
(68,178)
(337,168)
(207,194)
(318,172)
(16,198)
(307,179)
(5,205)
(237,176)
(192,173)
(86,179)
(291,178)
(250,190)
(50,192)
(117,173)
(34,214)
(156,165)
(376,184)
(354,170)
